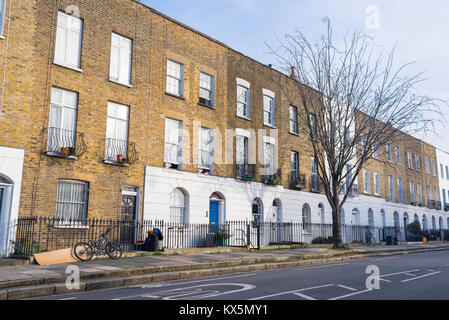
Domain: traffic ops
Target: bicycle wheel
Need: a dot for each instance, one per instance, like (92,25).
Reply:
(113,250)
(83,251)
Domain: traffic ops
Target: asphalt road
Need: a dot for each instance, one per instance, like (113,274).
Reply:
(405,277)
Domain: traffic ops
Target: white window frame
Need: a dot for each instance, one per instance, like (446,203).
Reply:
(398,155)
(117,117)
(2,16)
(412,192)
(391,188)
(410,160)
(177,78)
(178,209)
(73,27)
(433,167)
(366,182)
(243,85)
(417,162)
(177,124)
(65,107)
(71,201)
(419,189)
(376,177)
(294,164)
(205,149)
(121,59)
(389,153)
(293,119)
(426,163)
(269,108)
(206,86)
(400,191)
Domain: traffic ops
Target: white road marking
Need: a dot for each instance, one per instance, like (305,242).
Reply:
(351,294)
(303,296)
(71,298)
(419,277)
(324,266)
(345,287)
(293,291)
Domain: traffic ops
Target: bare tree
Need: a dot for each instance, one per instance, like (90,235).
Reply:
(354,102)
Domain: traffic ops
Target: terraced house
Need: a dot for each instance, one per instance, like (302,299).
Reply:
(110,109)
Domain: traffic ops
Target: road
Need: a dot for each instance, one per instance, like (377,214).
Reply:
(404,277)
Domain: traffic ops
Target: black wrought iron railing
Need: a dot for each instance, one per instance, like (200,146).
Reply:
(34,235)
(120,152)
(315,184)
(64,143)
(246,172)
(297,181)
(273,179)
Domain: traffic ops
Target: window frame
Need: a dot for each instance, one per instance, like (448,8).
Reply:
(294,121)
(270,113)
(2,16)
(211,91)
(376,178)
(366,182)
(201,149)
(68,29)
(84,202)
(179,80)
(389,152)
(178,162)
(120,78)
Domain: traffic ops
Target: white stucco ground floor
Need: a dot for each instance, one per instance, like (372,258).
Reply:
(172,195)
(11,165)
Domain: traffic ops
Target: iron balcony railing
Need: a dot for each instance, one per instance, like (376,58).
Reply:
(64,143)
(273,179)
(433,204)
(297,181)
(315,184)
(246,172)
(353,192)
(120,152)
(446,207)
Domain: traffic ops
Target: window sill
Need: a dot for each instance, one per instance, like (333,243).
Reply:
(243,117)
(174,95)
(207,106)
(120,83)
(60,155)
(67,66)
(124,164)
(269,125)
(2,38)
(294,133)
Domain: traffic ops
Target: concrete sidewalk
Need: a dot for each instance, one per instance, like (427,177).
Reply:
(29,281)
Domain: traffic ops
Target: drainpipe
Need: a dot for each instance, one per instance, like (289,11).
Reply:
(6,57)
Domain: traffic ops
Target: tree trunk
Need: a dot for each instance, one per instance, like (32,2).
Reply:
(336,229)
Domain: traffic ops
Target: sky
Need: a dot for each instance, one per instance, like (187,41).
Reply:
(418,30)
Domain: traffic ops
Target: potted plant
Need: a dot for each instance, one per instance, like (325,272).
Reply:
(120,158)
(128,159)
(71,150)
(65,150)
(221,237)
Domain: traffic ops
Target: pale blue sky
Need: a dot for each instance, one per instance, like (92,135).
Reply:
(419,29)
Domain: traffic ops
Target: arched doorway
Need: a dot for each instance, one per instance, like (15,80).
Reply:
(415,218)
(257,210)
(434,223)
(6,196)
(424,223)
(371,218)
(406,220)
(217,211)
(440,228)
(322,213)
(277,210)
(355,217)
(397,225)
(179,206)
(384,219)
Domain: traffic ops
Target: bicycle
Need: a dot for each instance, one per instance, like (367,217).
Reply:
(84,251)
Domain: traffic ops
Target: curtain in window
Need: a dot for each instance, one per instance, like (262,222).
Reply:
(71,203)
(177,206)
(68,40)
(206,142)
(173,138)
(121,52)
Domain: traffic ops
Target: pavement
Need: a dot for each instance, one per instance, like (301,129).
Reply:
(31,281)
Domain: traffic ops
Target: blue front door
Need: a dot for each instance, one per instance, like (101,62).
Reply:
(213,217)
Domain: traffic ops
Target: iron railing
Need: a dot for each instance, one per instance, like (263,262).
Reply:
(273,179)
(34,235)
(64,143)
(297,181)
(120,152)
(246,172)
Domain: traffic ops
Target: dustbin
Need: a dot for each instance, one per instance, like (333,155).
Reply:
(151,243)
(390,241)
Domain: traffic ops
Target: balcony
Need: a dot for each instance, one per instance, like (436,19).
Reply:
(433,204)
(273,179)
(63,143)
(246,172)
(315,184)
(446,207)
(297,181)
(120,152)
(354,192)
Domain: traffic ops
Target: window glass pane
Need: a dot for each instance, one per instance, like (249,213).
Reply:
(68,40)
(71,200)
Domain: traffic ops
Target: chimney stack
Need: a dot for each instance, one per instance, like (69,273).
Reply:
(293,72)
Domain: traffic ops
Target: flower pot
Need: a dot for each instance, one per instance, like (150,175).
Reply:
(119,158)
